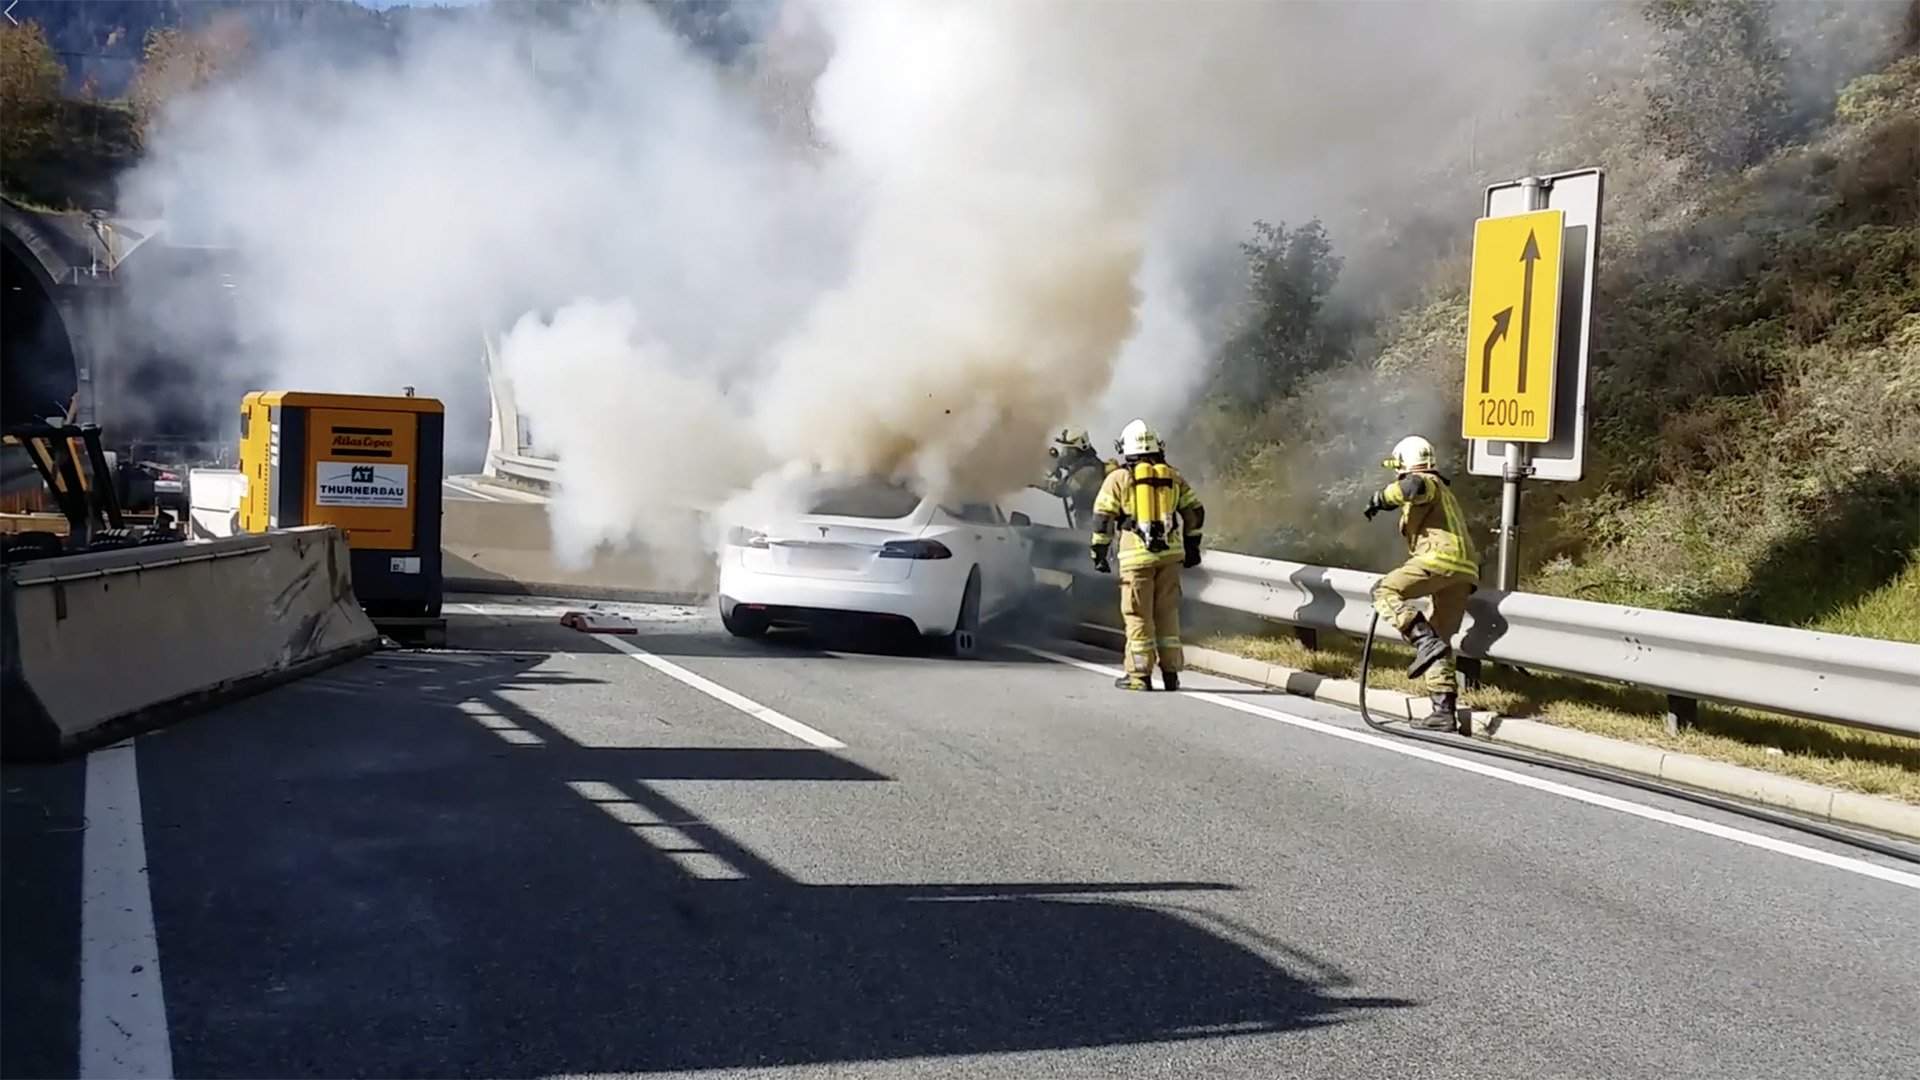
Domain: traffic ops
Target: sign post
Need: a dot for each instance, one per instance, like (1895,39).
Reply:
(1524,405)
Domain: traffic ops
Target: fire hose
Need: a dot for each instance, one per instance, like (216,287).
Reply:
(1615,776)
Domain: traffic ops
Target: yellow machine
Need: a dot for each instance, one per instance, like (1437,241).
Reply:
(371,466)
(1153,503)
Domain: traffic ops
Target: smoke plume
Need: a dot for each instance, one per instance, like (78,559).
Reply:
(899,238)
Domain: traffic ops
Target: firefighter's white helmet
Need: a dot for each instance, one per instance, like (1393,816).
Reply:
(1137,439)
(1410,453)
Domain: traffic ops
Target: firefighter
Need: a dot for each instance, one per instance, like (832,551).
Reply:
(1442,565)
(1077,473)
(1158,517)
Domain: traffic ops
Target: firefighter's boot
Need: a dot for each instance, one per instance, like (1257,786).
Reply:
(1170,680)
(1444,716)
(1133,682)
(1428,647)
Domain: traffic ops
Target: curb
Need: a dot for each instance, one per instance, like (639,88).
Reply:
(1690,770)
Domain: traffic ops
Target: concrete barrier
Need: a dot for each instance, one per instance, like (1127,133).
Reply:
(98,646)
(507,547)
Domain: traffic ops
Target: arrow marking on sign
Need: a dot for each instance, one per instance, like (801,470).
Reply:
(1529,255)
(1500,320)
(9,12)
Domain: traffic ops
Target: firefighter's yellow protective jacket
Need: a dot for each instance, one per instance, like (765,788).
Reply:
(1431,522)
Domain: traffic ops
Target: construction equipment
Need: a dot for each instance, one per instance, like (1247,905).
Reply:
(74,467)
(371,466)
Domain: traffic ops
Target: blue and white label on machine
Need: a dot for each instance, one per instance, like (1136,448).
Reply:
(404,564)
(348,483)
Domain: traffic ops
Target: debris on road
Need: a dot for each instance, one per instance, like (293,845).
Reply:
(598,622)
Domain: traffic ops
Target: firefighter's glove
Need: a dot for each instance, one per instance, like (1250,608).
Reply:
(1374,506)
(1100,561)
(1193,553)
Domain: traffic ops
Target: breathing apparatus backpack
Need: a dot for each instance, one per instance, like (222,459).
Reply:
(1152,509)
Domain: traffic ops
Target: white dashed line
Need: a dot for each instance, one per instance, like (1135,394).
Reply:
(720,693)
(768,716)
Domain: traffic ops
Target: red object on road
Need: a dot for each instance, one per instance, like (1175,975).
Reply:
(594,622)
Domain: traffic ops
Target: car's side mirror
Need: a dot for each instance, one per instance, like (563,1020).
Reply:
(1019,520)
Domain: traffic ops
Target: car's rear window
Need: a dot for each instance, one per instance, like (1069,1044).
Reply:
(876,499)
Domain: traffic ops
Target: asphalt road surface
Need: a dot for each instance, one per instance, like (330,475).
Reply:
(541,852)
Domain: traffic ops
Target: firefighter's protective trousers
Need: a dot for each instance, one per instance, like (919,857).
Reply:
(1449,593)
(1150,607)
(1149,579)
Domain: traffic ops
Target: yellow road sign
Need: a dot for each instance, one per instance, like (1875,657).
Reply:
(1513,325)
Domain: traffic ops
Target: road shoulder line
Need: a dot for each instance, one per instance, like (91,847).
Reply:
(123,1013)
(1817,801)
(1725,832)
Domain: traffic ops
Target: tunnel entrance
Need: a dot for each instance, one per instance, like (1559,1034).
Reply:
(38,373)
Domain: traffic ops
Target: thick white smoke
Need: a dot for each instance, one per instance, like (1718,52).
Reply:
(389,211)
(996,207)
(646,448)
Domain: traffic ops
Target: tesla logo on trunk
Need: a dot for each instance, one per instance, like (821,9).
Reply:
(823,529)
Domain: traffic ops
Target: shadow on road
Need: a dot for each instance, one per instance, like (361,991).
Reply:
(365,874)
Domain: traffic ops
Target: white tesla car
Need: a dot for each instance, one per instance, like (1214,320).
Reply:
(878,549)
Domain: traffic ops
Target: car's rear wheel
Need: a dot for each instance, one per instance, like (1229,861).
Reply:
(742,623)
(966,625)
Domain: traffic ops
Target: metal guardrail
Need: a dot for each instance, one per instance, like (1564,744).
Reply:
(1859,682)
(531,470)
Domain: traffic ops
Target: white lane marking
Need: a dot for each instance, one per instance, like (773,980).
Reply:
(123,1014)
(720,693)
(475,492)
(1710,828)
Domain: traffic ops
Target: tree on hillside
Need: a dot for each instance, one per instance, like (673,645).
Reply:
(1284,336)
(1718,97)
(30,77)
(180,61)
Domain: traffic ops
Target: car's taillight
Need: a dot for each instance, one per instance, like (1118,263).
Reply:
(914,549)
(751,538)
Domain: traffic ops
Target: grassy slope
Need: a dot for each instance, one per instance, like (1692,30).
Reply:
(1755,395)
(1755,444)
